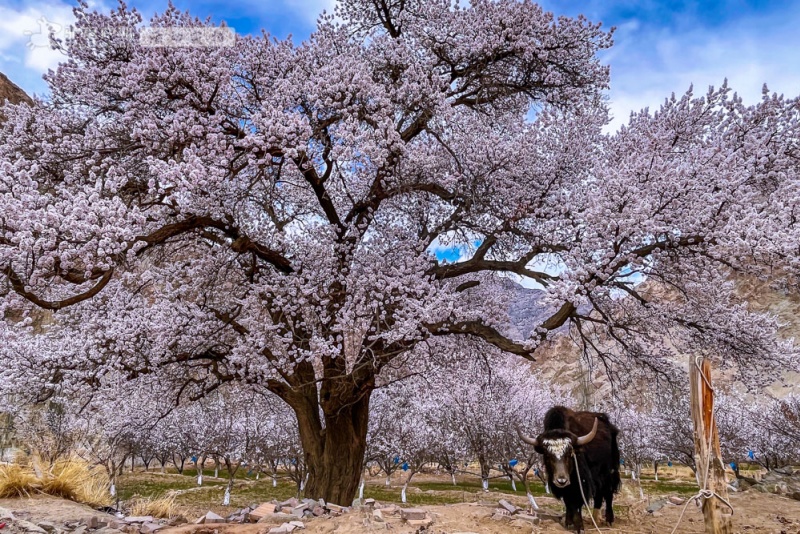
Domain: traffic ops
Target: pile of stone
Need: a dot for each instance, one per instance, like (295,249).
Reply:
(507,511)
(288,512)
(782,481)
(20,522)
(379,513)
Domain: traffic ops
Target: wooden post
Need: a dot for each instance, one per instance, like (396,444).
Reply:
(708,458)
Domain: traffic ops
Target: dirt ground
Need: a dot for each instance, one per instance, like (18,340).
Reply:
(47,508)
(755,513)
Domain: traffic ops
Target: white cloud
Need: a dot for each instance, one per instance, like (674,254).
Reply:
(648,65)
(24,32)
(311,8)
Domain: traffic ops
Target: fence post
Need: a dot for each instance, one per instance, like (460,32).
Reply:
(708,458)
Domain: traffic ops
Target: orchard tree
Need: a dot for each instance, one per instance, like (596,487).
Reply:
(269,213)
(670,417)
(639,438)
(410,436)
(495,395)
(754,429)
(786,419)
(381,443)
(49,431)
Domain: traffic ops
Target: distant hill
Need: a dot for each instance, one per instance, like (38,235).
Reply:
(561,362)
(11,92)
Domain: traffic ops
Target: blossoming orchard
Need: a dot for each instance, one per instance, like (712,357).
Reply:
(246,253)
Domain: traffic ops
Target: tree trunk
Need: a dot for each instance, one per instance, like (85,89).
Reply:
(226,499)
(708,458)
(334,454)
(484,472)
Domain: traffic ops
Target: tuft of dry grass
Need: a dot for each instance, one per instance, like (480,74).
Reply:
(73,478)
(163,507)
(17,481)
(70,478)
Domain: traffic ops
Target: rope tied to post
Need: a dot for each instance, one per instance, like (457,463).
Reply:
(704,492)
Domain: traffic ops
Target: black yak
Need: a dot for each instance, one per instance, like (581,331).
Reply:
(590,438)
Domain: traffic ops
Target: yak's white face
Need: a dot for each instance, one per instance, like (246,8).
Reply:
(557,447)
(556,456)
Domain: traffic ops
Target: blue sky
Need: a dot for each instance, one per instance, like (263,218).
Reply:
(661,46)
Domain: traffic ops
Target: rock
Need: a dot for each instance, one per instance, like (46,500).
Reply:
(377,515)
(177,520)
(508,506)
(297,524)
(788,470)
(276,518)
(390,509)
(741,484)
(413,514)
(149,528)
(279,530)
(27,526)
(334,507)
(261,511)
(81,529)
(138,519)
(212,518)
(47,525)
(108,530)
(369,502)
(677,500)
(318,511)
(298,510)
(417,523)
(291,502)
(6,514)
(656,505)
(529,519)
(500,517)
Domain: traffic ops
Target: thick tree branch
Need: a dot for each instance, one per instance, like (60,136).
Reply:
(241,243)
(19,287)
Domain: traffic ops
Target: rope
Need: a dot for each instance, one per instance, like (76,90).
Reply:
(704,493)
(580,485)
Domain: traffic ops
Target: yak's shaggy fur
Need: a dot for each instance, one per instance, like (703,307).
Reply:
(598,460)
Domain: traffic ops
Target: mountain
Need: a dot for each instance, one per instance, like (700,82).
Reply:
(11,92)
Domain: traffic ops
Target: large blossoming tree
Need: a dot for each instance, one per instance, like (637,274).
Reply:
(269,212)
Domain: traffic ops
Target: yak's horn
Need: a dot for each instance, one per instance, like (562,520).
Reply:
(526,439)
(583,440)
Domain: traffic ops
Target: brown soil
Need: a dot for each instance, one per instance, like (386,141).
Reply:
(54,509)
(755,513)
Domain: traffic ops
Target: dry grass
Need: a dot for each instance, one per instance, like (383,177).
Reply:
(73,478)
(70,478)
(17,481)
(163,507)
